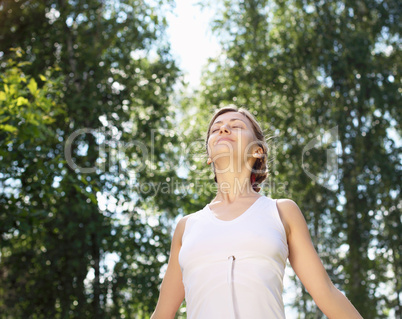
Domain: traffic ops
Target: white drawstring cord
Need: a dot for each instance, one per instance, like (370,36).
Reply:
(230,282)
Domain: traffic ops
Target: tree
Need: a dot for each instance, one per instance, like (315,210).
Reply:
(30,113)
(118,78)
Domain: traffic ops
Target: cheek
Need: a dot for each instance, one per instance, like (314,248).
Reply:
(247,141)
(209,144)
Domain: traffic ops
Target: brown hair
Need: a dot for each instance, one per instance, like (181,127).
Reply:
(260,165)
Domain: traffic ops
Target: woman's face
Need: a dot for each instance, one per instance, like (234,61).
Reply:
(231,136)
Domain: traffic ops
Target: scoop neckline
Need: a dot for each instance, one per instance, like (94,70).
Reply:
(246,212)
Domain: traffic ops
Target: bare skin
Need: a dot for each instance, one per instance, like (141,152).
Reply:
(230,202)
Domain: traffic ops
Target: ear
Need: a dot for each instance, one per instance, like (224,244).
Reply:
(258,152)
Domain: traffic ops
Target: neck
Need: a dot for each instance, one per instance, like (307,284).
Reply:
(232,186)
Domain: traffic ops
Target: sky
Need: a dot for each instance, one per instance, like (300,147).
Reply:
(192,42)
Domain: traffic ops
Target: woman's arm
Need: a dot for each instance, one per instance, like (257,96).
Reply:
(308,266)
(172,290)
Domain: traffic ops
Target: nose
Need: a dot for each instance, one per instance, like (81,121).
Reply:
(224,128)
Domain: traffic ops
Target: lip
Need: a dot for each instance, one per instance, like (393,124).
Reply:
(225,139)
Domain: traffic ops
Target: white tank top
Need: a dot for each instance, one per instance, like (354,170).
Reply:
(234,269)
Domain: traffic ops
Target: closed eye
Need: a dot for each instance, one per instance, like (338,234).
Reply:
(233,127)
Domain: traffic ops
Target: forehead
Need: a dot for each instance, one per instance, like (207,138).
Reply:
(226,117)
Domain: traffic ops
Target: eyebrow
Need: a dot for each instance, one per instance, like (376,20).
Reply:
(231,120)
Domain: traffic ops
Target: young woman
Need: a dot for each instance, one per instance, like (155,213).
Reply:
(228,259)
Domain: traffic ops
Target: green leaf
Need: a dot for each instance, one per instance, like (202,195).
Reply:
(84,180)
(4,119)
(24,63)
(92,197)
(33,87)
(12,89)
(18,51)
(22,101)
(3,96)
(31,119)
(8,128)
(42,77)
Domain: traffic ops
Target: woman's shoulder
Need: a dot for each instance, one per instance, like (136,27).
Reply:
(181,224)
(288,211)
(183,220)
(286,202)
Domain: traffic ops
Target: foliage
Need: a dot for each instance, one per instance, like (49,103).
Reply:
(30,109)
(99,243)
